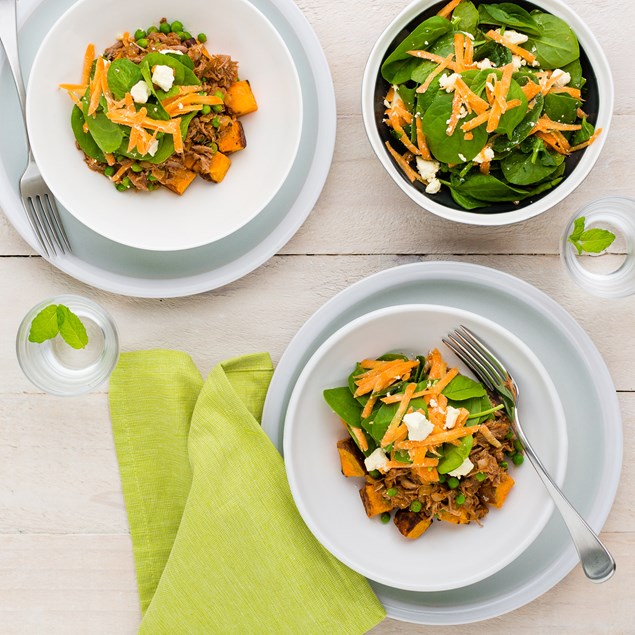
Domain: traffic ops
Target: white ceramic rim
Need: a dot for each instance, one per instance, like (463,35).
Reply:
(461,316)
(144,241)
(281,234)
(555,570)
(600,65)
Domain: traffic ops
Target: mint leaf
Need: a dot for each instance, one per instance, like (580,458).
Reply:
(593,241)
(71,328)
(45,325)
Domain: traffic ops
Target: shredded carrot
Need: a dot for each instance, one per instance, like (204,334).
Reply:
(479,104)
(444,381)
(422,145)
(76,88)
(457,102)
(390,434)
(459,50)
(562,140)
(75,99)
(581,114)
(574,92)
(382,377)
(586,143)
(371,363)
(468,59)
(368,408)
(439,69)
(403,164)
(476,122)
(125,165)
(517,50)
(110,158)
(506,81)
(419,458)
(550,139)
(437,439)
(531,89)
(96,86)
(393,118)
(361,439)
(424,55)
(484,167)
(390,94)
(448,8)
(512,103)
(426,474)
(438,367)
(89,56)
(545,123)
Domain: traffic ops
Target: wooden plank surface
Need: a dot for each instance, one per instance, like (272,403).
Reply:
(65,555)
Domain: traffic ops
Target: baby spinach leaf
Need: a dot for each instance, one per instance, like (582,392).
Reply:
(557,45)
(510,15)
(453,455)
(351,384)
(123,74)
(486,187)
(443,47)
(186,60)
(462,387)
(575,70)
(465,201)
(465,17)
(107,135)
(344,405)
(403,456)
(527,169)
(585,133)
(398,67)
(561,107)
(454,148)
(496,53)
(510,119)
(377,428)
(391,357)
(85,141)
(155,110)
(593,241)
(501,145)
(183,76)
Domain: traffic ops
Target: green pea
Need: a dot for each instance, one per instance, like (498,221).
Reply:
(143,43)
(385,518)
(126,181)
(504,465)
(152,29)
(121,187)
(216,122)
(517,446)
(218,108)
(518,459)
(206,109)
(202,37)
(151,177)
(442,478)
(136,167)
(460,499)
(186,35)
(164,27)
(213,147)
(374,473)
(181,35)
(219,94)
(391,492)
(415,506)
(139,33)
(119,158)
(177,26)
(480,477)
(509,435)
(153,186)
(109,171)
(453,482)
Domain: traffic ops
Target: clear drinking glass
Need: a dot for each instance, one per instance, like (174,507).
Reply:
(59,369)
(609,276)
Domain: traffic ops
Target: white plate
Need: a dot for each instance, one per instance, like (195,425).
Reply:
(330,504)
(119,269)
(581,379)
(206,212)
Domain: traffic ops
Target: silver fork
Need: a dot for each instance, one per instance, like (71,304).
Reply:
(38,200)
(597,562)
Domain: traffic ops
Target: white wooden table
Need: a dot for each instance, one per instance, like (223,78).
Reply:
(65,553)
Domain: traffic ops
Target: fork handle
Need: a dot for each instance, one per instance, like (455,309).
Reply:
(9,39)
(597,563)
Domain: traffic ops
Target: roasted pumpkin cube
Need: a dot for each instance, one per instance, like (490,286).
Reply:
(461,519)
(218,167)
(179,181)
(502,489)
(351,459)
(374,501)
(239,98)
(411,524)
(232,138)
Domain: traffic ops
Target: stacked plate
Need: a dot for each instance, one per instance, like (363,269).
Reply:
(592,425)
(153,271)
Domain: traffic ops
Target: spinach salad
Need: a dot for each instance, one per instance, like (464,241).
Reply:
(486,101)
(429,442)
(158,109)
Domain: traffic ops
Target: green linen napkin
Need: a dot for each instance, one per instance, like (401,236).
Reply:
(219,545)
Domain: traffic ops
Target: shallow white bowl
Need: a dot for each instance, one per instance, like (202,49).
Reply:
(161,220)
(602,79)
(446,556)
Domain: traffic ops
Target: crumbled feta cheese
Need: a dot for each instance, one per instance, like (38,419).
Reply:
(433,403)
(418,426)
(376,461)
(462,157)
(427,169)
(484,156)
(463,470)
(395,92)
(489,86)
(513,37)
(560,78)
(448,82)
(485,64)
(163,77)
(462,112)
(452,414)
(140,92)
(433,186)
(154,146)
(166,51)
(518,61)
